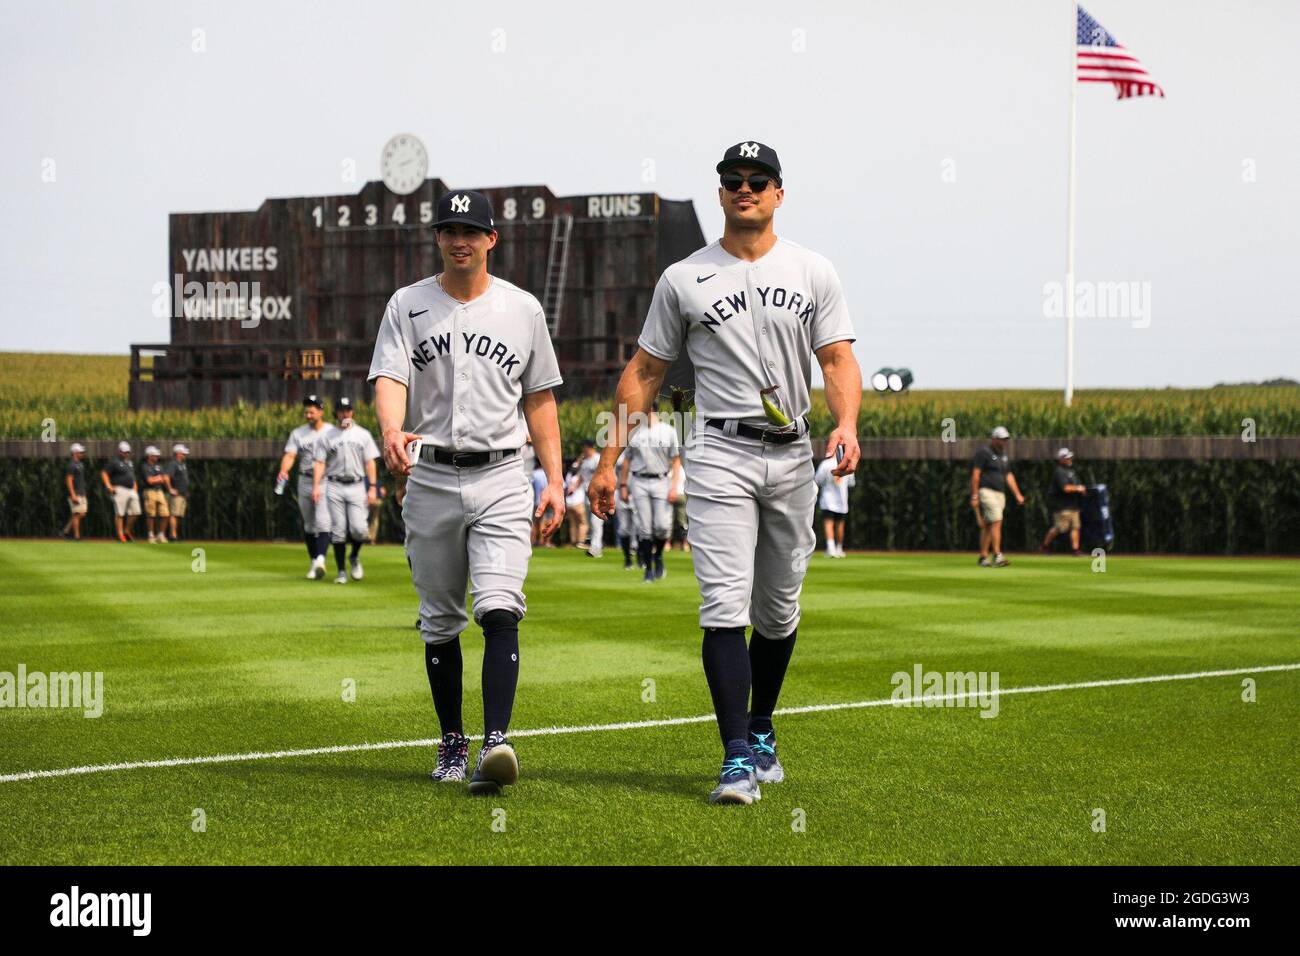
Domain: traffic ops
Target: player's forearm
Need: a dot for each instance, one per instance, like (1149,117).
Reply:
(544,425)
(637,388)
(286,463)
(975,483)
(390,405)
(1011,483)
(317,473)
(372,474)
(843,380)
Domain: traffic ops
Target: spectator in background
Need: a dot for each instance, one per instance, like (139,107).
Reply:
(178,487)
(834,502)
(587,463)
(1066,499)
(539,482)
(119,478)
(575,505)
(155,496)
(990,478)
(74,479)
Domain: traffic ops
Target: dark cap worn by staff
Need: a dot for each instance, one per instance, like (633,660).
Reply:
(467,207)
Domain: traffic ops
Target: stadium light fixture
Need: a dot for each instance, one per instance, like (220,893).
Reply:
(894,380)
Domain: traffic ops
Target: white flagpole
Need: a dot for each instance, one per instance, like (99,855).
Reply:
(1069,217)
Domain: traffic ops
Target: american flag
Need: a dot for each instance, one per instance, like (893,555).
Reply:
(1102,59)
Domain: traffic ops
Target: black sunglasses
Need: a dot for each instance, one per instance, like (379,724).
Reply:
(757,181)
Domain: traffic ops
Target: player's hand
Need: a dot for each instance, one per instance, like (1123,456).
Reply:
(847,437)
(672,497)
(552,497)
(315,494)
(371,497)
(1020,499)
(600,492)
(282,476)
(395,457)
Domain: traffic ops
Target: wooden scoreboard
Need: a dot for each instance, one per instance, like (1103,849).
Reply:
(273,304)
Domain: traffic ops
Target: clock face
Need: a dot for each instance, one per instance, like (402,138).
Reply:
(404,164)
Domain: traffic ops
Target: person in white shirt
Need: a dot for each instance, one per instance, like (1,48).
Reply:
(833,500)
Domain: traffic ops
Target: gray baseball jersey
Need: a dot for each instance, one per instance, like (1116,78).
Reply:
(747,325)
(302,442)
(345,451)
(653,448)
(466,365)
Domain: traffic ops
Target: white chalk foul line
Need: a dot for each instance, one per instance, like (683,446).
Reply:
(628,725)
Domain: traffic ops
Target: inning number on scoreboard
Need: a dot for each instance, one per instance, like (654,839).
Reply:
(369,216)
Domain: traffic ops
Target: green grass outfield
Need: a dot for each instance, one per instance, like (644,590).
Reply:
(249,656)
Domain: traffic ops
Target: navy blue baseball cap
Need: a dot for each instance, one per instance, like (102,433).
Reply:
(751,153)
(344,404)
(313,400)
(465,206)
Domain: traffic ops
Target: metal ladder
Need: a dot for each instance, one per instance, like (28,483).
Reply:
(557,264)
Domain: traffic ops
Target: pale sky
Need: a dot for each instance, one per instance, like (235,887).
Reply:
(924,146)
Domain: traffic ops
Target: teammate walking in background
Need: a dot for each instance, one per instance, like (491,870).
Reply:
(301,447)
(119,478)
(155,495)
(587,463)
(463,372)
(178,487)
(751,310)
(623,520)
(834,502)
(344,475)
(1067,498)
(539,483)
(74,481)
(651,469)
(990,477)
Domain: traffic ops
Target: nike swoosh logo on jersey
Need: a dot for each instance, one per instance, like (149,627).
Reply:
(411,315)
(705,278)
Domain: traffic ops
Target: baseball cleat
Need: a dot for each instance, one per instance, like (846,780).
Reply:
(984,561)
(737,783)
(355,567)
(999,561)
(767,768)
(453,758)
(498,766)
(341,578)
(649,575)
(659,567)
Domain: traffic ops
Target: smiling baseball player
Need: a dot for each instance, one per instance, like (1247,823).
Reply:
(751,311)
(345,459)
(463,360)
(315,511)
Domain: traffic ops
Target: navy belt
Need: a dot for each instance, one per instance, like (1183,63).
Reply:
(650,474)
(463,459)
(766,435)
(343,481)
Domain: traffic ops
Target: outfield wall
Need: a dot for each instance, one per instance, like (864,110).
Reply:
(1197,495)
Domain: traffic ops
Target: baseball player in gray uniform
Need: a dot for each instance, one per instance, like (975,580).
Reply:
(587,463)
(345,460)
(751,311)
(462,363)
(623,519)
(649,471)
(315,511)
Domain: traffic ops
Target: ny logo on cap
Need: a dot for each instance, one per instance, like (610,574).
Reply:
(460,204)
(749,150)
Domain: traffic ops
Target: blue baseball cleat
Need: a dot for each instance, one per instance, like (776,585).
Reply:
(737,783)
(767,768)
